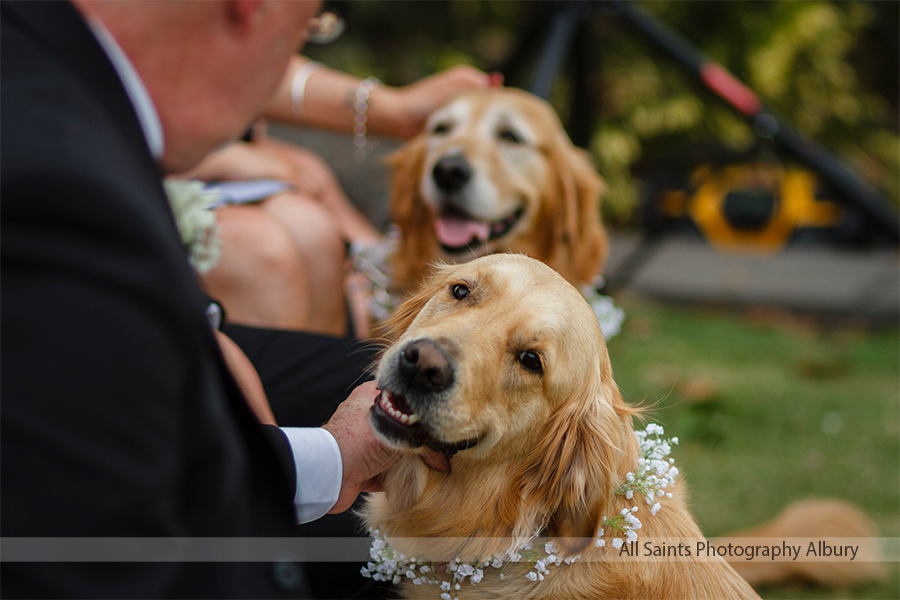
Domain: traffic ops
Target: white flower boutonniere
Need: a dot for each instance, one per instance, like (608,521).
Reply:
(196,223)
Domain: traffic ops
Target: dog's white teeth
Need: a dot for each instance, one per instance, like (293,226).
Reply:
(389,408)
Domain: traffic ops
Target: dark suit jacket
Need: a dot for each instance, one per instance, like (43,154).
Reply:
(118,417)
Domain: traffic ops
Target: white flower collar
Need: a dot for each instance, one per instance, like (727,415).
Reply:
(655,474)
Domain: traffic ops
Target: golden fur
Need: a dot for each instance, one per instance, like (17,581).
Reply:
(551,445)
(815,518)
(521,162)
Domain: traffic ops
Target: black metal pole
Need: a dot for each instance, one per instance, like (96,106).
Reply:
(564,20)
(767,123)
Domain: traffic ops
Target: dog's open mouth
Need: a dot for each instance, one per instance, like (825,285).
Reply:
(397,421)
(457,231)
(397,409)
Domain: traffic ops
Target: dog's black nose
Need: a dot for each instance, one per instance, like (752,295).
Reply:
(425,366)
(451,173)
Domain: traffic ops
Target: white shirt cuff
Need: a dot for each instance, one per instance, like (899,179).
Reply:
(317,458)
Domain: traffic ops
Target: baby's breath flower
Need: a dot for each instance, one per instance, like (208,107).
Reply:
(196,223)
(608,314)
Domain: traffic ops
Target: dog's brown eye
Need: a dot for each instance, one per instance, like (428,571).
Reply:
(531,361)
(510,136)
(460,291)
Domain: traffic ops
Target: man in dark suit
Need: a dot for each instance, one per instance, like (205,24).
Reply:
(119,416)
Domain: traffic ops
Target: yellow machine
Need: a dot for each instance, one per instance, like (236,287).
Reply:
(756,206)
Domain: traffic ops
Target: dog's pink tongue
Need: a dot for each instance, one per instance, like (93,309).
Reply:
(454,232)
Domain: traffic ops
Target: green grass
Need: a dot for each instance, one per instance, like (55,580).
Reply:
(769,411)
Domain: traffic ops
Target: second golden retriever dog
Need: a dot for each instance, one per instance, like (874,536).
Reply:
(500,364)
(493,171)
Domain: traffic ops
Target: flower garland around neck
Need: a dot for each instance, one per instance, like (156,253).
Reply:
(655,474)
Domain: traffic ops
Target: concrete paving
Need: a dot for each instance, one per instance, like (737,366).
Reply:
(821,280)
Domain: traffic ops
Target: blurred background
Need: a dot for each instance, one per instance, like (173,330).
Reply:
(766,335)
(830,68)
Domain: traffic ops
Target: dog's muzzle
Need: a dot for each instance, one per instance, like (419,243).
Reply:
(456,228)
(411,387)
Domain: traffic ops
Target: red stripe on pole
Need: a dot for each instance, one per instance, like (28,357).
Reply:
(728,87)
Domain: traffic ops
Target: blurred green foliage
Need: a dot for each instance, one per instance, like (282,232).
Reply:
(829,68)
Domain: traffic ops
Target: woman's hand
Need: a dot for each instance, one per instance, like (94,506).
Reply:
(405,109)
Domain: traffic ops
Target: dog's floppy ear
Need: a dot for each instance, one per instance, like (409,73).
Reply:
(403,316)
(577,223)
(409,213)
(406,171)
(570,475)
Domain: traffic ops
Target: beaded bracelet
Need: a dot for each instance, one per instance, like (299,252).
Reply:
(361,146)
(298,85)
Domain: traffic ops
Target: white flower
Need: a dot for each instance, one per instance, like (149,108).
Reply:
(464,570)
(617,543)
(532,576)
(609,316)
(655,508)
(445,585)
(633,522)
(196,224)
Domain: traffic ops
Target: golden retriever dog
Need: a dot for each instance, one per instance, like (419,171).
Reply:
(494,171)
(500,364)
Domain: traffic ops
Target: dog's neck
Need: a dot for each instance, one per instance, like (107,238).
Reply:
(418,495)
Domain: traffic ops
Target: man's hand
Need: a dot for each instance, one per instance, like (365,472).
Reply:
(364,456)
